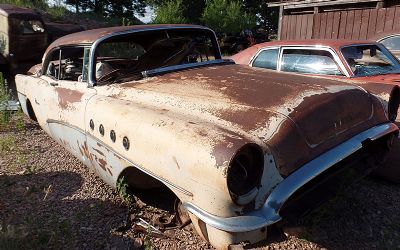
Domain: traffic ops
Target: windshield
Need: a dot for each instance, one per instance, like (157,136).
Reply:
(127,56)
(30,26)
(370,60)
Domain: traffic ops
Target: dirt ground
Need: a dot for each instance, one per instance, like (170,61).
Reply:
(49,200)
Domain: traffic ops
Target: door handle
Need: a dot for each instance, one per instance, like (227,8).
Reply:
(54,84)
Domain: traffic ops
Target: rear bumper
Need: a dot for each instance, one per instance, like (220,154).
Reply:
(270,212)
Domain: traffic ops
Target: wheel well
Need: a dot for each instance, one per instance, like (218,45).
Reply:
(148,189)
(29,108)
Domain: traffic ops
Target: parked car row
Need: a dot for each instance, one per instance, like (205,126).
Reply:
(241,147)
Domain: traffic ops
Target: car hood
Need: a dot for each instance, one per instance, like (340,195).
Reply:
(298,117)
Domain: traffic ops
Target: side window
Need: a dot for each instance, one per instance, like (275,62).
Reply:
(53,64)
(72,63)
(69,63)
(30,26)
(267,59)
(309,62)
(392,43)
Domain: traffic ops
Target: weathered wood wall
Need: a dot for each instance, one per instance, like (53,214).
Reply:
(350,24)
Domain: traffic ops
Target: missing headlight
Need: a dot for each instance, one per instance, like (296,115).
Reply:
(244,173)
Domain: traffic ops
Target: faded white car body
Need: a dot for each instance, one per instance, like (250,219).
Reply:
(184,128)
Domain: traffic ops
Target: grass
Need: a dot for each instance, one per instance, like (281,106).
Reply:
(123,190)
(7,143)
(34,235)
(4,97)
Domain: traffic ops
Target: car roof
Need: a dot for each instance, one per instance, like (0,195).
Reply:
(90,36)
(335,43)
(9,10)
(245,56)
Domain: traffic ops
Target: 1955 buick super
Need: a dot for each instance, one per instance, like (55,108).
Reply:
(241,150)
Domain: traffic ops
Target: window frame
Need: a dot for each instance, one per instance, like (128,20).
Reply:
(262,50)
(387,37)
(60,48)
(333,53)
(379,45)
(92,81)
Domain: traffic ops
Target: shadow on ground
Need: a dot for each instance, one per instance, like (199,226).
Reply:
(366,216)
(40,211)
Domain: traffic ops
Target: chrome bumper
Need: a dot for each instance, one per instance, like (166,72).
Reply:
(269,213)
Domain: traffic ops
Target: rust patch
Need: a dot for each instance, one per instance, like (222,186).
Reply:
(98,151)
(102,164)
(176,162)
(85,151)
(109,171)
(66,97)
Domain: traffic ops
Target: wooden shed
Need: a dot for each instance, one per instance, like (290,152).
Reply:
(336,19)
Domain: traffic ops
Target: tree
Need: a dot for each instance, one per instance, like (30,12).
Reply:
(123,9)
(227,16)
(170,12)
(190,10)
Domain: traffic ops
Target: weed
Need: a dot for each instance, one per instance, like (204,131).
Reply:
(31,170)
(7,143)
(5,115)
(147,240)
(123,190)
(19,123)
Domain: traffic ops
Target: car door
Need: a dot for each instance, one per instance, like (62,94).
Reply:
(65,98)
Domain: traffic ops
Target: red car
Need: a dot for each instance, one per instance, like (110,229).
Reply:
(365,63)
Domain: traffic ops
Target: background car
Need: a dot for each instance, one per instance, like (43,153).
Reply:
(368,64)
(155,105)
(392,42)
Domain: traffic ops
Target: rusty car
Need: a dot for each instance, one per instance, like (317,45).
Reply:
(365,63)
(157,106)
(24,36)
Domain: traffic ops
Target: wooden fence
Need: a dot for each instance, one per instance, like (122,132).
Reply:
(350,24)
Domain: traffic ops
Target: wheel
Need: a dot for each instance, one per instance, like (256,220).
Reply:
(390,171)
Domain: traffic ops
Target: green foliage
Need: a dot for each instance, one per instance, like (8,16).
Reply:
(170,12)
(123,190)
(147,240)
(7,143)
(227,16)
(4,97)
(56,12)
(40,4)
(123,10)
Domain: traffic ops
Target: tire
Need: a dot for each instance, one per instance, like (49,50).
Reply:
(390,170)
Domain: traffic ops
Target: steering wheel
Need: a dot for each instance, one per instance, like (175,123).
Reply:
(108,76)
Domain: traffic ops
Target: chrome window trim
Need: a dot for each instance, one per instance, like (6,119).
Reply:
(164,70)
(253,58)
(48,54)
(381,46)
(269,213)
(388,36)
(335,56)
(91,78)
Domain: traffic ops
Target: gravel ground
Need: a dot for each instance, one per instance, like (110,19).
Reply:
(49,200)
